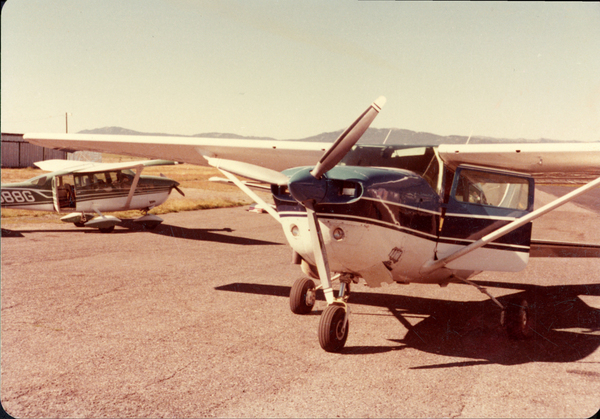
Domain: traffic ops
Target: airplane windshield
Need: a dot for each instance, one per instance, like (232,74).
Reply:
(420,160)
(38,180)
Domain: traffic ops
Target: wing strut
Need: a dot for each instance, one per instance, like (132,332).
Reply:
(251,194)
(138,172)
(433,265)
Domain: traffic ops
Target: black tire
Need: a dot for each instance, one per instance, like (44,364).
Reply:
(79,224)
(107,229)
(298,293)
(518,319)
(332,335)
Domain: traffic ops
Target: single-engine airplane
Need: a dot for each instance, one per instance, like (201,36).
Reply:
(382,213)
(84,188)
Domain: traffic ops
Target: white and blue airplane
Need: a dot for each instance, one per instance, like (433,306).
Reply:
(383,214)
(83,191)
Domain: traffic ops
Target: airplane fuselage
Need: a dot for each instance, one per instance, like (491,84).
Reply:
(384,223)
(79,195)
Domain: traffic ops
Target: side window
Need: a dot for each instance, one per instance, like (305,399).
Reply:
(121,179)
(85,181)
(493,189)
(100,179)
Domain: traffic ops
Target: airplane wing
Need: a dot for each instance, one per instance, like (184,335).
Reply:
(280,155)
(74,166)
(273,154)
(533,158)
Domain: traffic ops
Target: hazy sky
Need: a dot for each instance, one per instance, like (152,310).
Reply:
(291,69)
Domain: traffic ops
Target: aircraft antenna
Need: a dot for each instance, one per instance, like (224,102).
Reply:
(387,136)
(469,139)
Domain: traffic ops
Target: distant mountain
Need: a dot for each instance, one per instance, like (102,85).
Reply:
(116,131)
(407,137)
(393,136)
(226,135)
(125,131)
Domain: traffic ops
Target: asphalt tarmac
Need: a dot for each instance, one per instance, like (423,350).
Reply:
(192,320)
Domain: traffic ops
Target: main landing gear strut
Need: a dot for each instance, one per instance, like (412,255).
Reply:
(515,317)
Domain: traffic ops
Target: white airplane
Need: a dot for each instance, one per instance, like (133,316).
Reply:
(381,213)
(81,189)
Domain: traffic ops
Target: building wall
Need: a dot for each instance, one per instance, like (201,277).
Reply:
(10,153)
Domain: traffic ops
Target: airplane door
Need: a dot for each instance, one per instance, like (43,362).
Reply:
(482,200)
(55,193)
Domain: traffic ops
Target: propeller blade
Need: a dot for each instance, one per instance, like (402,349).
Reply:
(348,138)
(250,171)
(179,190)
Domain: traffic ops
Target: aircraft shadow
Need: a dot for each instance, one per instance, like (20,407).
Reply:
(565,329)
(212,235)
(201,234)
(11,233)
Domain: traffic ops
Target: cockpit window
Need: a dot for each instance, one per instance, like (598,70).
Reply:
(494,189)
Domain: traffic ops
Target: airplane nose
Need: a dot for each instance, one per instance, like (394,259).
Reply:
(175,185)
(303,186)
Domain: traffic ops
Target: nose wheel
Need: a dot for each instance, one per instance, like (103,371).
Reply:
(333,327)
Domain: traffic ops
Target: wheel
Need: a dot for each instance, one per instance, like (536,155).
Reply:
(332,333)
(107,229)
(302,296)
(79,224)
(518,319)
